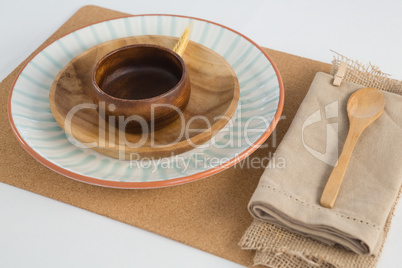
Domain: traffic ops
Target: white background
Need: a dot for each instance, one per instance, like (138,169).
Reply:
(39,232)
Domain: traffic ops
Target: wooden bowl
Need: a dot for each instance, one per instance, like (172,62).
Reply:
(142,86)
(214,96)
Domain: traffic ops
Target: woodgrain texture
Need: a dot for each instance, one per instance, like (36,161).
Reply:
(364,107)
(214,96)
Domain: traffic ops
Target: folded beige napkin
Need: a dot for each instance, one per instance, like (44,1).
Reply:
(288,197)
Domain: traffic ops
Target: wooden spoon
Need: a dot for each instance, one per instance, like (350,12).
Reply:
(364,107)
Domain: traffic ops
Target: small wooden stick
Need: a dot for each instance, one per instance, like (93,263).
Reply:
(181,45)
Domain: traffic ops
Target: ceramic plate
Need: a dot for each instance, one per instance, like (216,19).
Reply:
(258,111)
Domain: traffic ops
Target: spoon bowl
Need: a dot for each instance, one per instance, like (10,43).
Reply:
(367,103)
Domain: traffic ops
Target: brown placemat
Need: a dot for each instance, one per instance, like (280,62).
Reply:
(209,214)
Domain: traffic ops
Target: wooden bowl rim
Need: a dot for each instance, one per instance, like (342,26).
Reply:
(178,86)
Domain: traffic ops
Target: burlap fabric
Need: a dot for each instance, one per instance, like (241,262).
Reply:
(277,247)
(367,75)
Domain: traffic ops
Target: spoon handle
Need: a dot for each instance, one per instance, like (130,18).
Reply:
(334,182)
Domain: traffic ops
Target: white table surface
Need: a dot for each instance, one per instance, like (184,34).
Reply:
(36,231)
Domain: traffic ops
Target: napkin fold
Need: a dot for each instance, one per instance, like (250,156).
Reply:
(289,196)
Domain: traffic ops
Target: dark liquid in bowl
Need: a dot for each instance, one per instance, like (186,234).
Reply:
(136,83)
(138,72)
